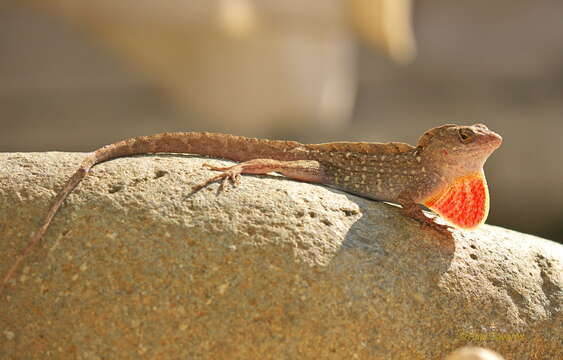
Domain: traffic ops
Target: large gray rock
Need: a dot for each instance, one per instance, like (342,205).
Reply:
(134,266)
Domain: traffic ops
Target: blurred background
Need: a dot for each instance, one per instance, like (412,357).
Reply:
(77,74)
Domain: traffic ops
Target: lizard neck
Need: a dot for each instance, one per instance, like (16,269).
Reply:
(444,170)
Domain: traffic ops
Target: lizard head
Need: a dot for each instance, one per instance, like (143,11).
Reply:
(457,155)
(462,149)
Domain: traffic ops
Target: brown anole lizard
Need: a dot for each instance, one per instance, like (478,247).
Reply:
(444,171)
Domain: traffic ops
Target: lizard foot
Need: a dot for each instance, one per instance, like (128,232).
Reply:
(429,223)
(414,211)
(227,173)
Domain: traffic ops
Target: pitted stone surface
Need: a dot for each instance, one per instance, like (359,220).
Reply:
(134,266)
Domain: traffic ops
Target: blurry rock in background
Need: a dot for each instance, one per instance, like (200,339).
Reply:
(254,66)
(474,353)
(386,24)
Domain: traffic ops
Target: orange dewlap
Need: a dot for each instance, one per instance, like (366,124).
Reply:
(465,203)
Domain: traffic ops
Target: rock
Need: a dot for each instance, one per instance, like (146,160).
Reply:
(136,266)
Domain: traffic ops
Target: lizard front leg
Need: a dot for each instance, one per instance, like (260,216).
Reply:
(414,211)
(302,170)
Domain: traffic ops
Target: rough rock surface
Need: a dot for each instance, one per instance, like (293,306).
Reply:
(134,266)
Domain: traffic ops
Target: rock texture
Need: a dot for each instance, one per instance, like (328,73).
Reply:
(135,266)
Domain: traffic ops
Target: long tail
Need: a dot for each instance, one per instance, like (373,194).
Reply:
(61,196)
(237,148)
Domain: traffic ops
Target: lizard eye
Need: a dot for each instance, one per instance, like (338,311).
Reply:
(465,135)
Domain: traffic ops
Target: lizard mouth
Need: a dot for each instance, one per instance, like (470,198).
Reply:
(488,139)
(494,140)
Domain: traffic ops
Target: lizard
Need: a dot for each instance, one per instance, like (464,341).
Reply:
(444,171)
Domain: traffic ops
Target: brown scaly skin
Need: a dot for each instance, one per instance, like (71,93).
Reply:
(395,172)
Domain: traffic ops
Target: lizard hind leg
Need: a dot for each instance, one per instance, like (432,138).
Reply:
(302,170)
